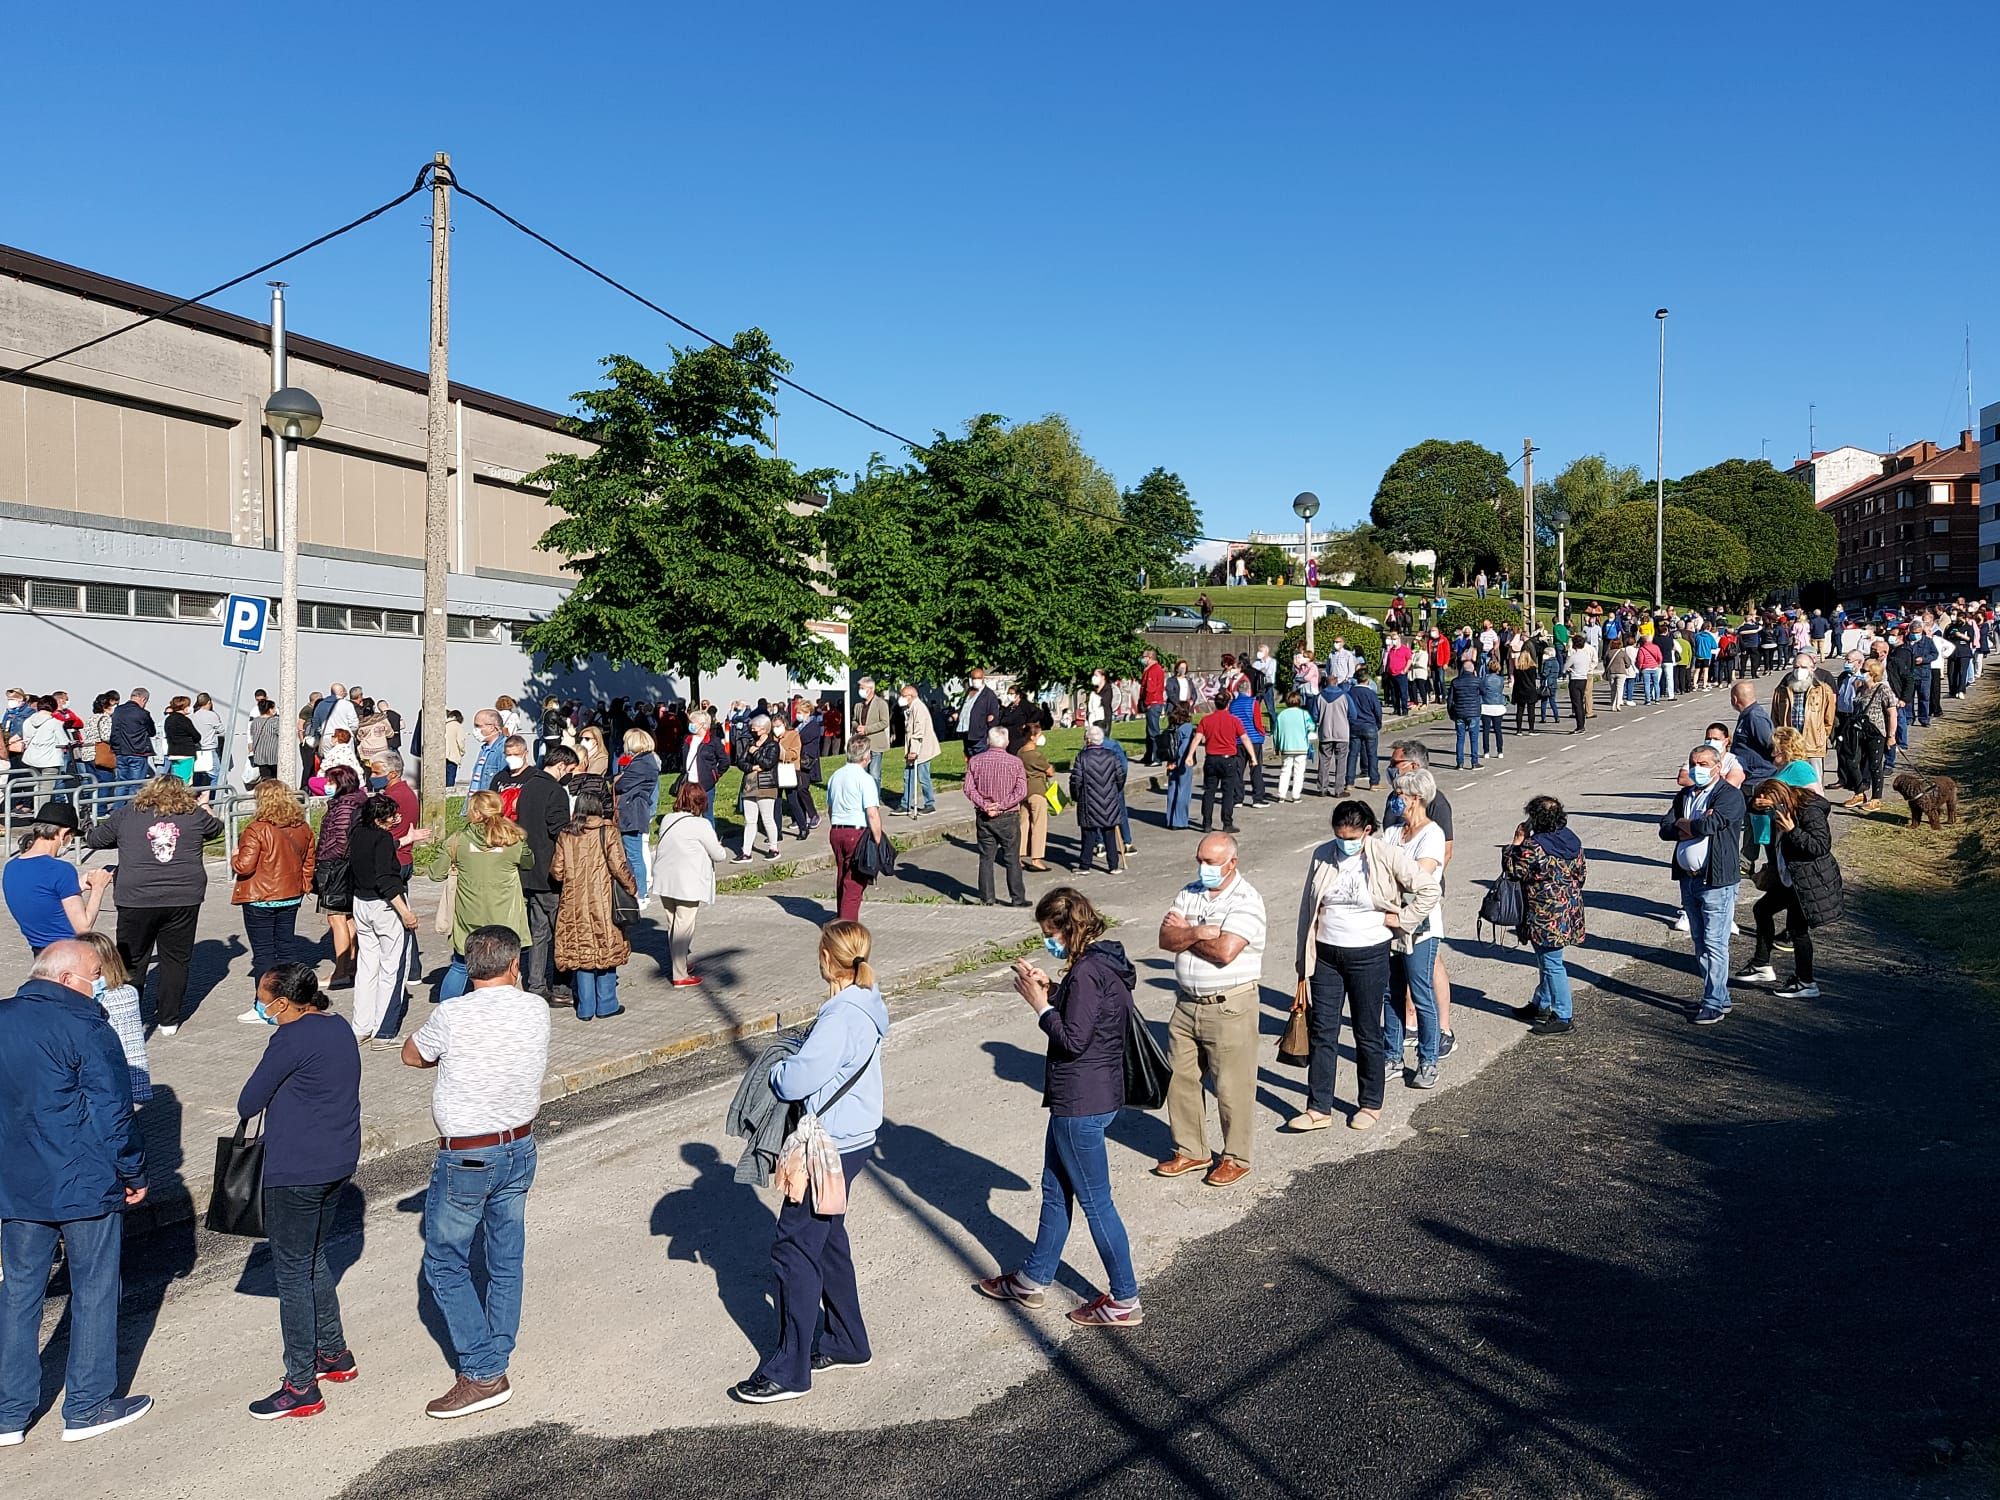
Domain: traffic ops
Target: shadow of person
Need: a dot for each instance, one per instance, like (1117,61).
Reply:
(959,1183)
(428,1311)
(164,1255)
(343,1246)
(718,1222)
(1012,1064)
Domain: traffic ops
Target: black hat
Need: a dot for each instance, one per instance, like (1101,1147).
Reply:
(58,815)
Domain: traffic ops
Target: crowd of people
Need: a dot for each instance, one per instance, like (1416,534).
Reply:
(564,846)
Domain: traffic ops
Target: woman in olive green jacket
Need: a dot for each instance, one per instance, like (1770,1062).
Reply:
(488,856)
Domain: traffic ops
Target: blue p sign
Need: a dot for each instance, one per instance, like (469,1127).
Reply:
(243,619)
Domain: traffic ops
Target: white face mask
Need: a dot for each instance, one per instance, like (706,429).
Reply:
(908,704)
(979,684)
(515,762)
(1801,675)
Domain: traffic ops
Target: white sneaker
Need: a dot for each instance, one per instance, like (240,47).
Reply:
(1681,923)
(1797,991)
(1756,974)
(169,1030)
(12,1439)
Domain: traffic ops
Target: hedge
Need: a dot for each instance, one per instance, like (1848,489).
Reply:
(1471,613)
(1364,641)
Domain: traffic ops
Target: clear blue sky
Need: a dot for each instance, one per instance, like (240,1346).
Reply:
(1268,247)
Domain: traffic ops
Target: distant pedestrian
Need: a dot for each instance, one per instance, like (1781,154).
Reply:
(1183,750)
(71,1163)
(636,793)
(1222,738)
(920,748)
(1294,734)
(1084,1018)
(996,784)
(1041,775)
(871,722)
(836,1075)
(684,875)
(308,1087)
(491,1047)
(853,813)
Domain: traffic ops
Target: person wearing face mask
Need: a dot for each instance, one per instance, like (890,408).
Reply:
(543,812)
(1809,705)
(1705,825)
(871,722)
(1084,1018)
(71,1163)
(1805,885)
(48,900)
(978,713)
(1153,702)
(1215,932)
(920,748)
(1363,894)
(1731,770)
(1041,775)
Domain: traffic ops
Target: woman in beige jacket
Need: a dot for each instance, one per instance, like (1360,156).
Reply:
(1364,896)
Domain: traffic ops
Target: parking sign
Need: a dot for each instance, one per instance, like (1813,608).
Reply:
(243,620)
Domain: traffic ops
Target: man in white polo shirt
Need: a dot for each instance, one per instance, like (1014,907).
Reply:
(491,1049)
(1216,934)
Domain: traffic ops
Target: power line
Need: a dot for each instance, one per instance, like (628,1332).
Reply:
(416,187)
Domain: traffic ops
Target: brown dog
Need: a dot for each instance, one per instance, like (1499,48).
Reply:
(1928,796)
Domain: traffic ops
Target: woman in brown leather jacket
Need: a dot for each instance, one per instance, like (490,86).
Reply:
(274,869)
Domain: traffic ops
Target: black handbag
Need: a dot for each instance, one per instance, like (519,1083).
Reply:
(1147,1071)
(236,1201)
(624,905)
(874,857)
(1505,907)
(333,883)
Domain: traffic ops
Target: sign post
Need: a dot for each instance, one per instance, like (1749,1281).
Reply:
(244,617)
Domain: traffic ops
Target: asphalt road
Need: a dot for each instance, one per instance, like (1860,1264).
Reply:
(1645,1260)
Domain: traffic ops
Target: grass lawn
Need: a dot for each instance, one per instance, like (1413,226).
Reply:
(1260,607)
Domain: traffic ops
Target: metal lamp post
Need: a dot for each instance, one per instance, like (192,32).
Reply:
(1305,505)
(1659,473)
(1559,518)
(293,417)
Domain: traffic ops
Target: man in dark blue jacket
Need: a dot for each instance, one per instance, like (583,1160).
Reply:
(1705,826)
(132,731)
(1463,697)
(70,1165)
(1364,729)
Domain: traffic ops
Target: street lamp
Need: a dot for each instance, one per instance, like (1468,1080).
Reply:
(1559,518)
(1305,505)
(1659,473)
(293,417)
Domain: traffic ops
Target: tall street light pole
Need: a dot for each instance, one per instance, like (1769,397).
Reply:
(293,417)
(1305,505)
(1528,530)
(1559,518)
(437,483)
(1659,474)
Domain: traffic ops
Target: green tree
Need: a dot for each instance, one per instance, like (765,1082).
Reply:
(1360,551)
(1613,553)
(1789,541)
(1161,524)
(1451,498)
(687,537)
(881,541)
(1268,563)
(1585,488)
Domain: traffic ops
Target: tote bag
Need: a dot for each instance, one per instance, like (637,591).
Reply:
(1147,1070)
(236,1201)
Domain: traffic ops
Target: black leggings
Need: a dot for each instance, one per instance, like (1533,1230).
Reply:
(170,930)
(1782,898)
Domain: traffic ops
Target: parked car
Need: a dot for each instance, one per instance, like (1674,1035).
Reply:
(1186,617)
(1327,609)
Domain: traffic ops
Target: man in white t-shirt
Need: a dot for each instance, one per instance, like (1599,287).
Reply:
(491,1048)
(1215,932)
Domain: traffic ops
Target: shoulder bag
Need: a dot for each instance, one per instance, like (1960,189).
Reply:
(1147,1071)
(1295,1046)
(236,1201)
(624,905)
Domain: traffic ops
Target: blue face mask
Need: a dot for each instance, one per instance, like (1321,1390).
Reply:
(97,988)
(1392,810)
(1700,774)
(1056,946)
(1210,876)
(1350,847)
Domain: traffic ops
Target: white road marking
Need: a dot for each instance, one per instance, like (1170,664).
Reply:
(1466,788)
(1538,760)
(1597,736)
(1508,772)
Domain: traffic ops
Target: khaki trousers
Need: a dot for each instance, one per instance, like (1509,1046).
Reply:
(1035,828)
(1217,1038)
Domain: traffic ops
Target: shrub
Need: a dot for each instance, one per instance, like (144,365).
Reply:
(1471,612)
(1362,641)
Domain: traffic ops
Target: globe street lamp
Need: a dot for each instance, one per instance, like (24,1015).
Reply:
(293,417)
(1305,505)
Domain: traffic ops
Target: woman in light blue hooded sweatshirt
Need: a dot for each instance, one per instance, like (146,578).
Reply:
(837,1074)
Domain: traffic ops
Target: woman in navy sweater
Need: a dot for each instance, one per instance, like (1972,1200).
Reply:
(308,1087)
(1085,1022)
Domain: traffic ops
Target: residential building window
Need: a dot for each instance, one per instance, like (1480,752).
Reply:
(1940,494)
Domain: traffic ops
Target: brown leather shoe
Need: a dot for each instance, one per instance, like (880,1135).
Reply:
(468,1396)
(1227,1173)
(1179,1166)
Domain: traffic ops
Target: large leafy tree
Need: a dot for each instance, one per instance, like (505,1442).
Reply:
(1360,551)
(687,536)
(1585,488)
(1790,542)
(1161,524)
(886,543)
(1266,562)
(1612,553)
(1452,498)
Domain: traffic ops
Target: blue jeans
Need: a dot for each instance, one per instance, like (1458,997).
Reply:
(596,993)
(875,769)
(635,856)
(1156,728)
(298,1222)
(1076,1170)
(1711,917)
(1492,727)
(1411,974)
(1920,690)
(1652,683)
(1361,757)
(917,779)
(1468,742)
(457,979)
(28,1248)
(1180,796)
(469,1189)
(131,768)
(1552,987)
(815,1268)
(271,930)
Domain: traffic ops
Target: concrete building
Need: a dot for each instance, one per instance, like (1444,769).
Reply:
(1989,511)
(1836,469)
(1911,531)
(136,492)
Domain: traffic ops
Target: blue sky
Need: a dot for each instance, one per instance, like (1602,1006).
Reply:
(1267,247)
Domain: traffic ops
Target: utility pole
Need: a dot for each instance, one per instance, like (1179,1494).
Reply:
(1660,475)
(437,483)
(284,471)
(1528,530)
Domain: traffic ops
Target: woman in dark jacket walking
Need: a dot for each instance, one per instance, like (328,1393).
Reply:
(1085,1022)
(636,795)
(159,884)
(308,1086)
(1804,883)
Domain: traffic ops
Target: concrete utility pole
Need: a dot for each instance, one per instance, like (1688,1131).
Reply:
(437,484)
(1528,531)
(284,471)
(1659,475)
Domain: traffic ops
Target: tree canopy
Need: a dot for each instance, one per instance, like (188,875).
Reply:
(1161,524)
(1788,540)
(1585,488)
(1612,553)
(1360,551)
(1452,498)
(1266,562)
(688,538)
